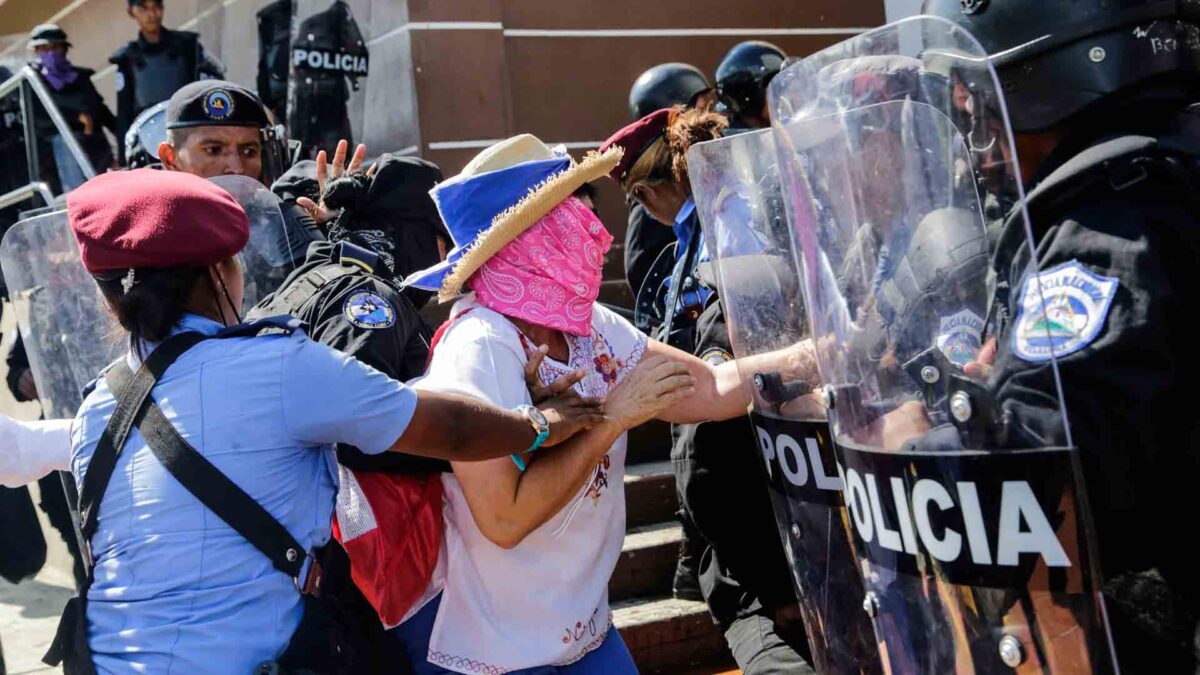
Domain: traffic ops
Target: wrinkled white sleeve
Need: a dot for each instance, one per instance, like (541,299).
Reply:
(31,450)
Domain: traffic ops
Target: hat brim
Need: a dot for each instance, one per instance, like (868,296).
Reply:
(510,224)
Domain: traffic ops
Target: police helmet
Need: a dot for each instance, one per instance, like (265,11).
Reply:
(745,72)
(666,85)
(146,133)
(48,34)
(1056,58)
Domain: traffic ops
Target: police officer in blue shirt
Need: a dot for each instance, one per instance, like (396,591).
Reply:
(219,442)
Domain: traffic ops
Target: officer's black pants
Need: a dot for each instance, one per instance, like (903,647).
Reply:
(760,649)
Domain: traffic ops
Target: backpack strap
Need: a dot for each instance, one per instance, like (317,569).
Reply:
(214,489)
(130,402)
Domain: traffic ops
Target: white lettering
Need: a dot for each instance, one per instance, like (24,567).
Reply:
(858,505)
(1017,503)
(768,450)
(887,538)
(314,59)
(903,518)
(787,447)
(949,546)
(823,480)
(968,496)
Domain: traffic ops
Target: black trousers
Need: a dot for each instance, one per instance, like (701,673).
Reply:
(760,648)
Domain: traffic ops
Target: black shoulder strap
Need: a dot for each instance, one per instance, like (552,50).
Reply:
(130,401)
(214,489)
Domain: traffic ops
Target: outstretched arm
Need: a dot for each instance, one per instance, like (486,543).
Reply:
(724,392)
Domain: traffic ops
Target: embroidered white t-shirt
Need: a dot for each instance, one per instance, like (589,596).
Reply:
(545,601)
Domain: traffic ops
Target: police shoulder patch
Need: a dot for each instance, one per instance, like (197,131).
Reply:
(370,310)
(1061,311)
(715,356)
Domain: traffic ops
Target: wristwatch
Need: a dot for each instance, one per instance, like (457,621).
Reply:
(540,424)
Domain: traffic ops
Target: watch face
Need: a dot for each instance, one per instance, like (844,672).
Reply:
(538,418)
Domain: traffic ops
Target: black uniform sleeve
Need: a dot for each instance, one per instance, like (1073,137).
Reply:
(399,351)
(723,485)
(1127,393)
(17,362)
(101,113)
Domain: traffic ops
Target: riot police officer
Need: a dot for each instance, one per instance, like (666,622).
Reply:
(662,86)
(1103,128)
(151,68)
(217,128)
(742,79)
(329,57)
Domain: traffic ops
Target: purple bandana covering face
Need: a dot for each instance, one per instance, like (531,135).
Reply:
(57,68)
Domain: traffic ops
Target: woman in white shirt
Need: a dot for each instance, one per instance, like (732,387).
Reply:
(531,541)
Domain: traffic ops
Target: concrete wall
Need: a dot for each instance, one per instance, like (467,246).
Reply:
(449,77)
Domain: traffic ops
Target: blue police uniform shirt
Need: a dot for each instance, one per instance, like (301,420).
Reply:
(177,590)
(683,234)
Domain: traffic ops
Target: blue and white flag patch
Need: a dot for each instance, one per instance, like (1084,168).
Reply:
(1076,306)
(370,310)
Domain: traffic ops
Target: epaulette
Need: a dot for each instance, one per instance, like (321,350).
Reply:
(356,256)
(271,325)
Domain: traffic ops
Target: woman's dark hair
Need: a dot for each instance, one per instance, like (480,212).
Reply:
(154,304)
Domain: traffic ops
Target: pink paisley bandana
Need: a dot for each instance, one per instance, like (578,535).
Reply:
(550,275)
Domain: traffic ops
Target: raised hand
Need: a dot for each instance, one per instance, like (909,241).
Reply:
(326,172)
(539,392)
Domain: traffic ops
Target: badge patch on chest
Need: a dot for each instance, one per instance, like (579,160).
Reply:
(715,356)
(368,309)
(960,336)
(1076,306)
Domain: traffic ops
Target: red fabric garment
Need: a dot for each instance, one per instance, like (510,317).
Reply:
(393,557)
(391,527)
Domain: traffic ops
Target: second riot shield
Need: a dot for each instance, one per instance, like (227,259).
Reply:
(275,244)
(735,182)
(68,334)
(329,66)
(970,522)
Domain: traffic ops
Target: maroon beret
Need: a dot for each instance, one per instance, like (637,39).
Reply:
(151,218)
(635,139)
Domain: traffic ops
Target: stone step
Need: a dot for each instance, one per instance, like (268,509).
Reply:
(666,635)
(647,563)
(650,495)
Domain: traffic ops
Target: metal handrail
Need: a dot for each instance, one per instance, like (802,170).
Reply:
(30,76)
(25,192)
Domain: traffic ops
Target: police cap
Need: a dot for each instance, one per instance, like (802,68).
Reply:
(48,34)
(215,103)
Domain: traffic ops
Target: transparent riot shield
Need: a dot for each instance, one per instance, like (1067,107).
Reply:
(275,244)
(329,67)
(967,507)
(735,183)
(69,334)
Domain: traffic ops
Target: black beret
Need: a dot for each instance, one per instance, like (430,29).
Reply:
(215,103)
